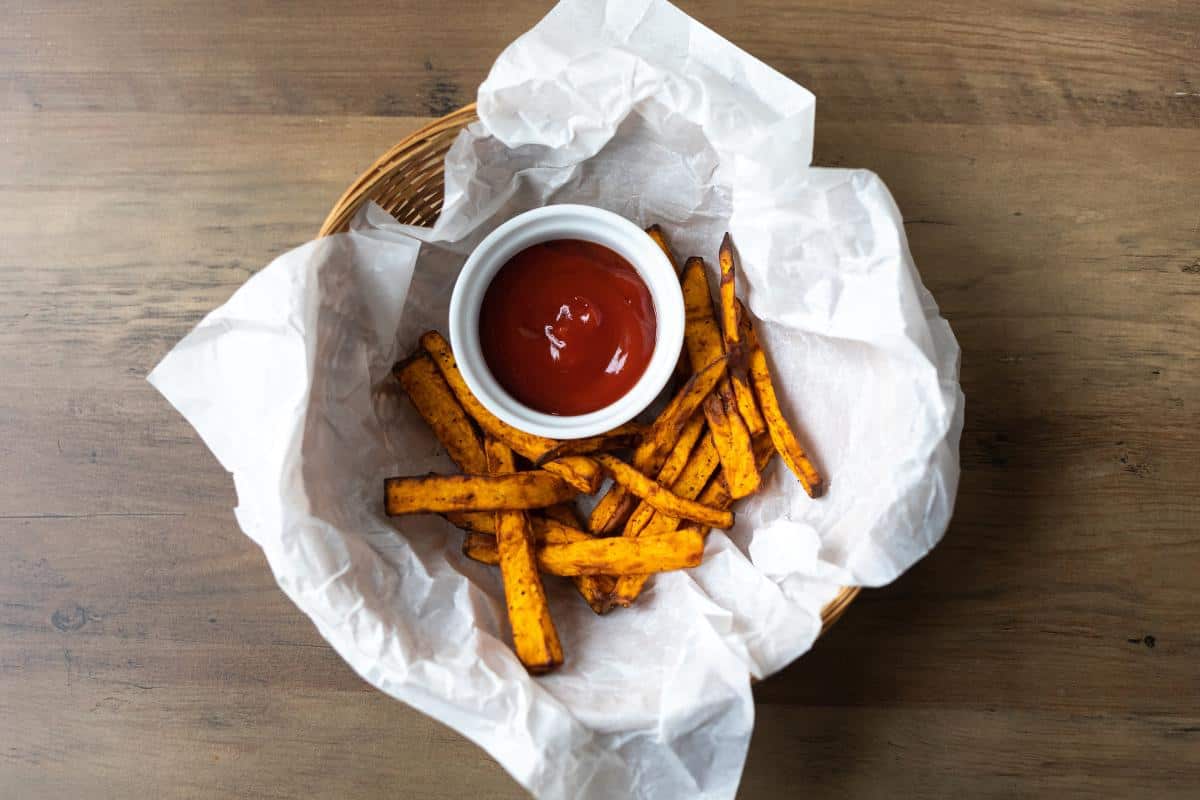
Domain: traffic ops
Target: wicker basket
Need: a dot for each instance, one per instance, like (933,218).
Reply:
(407,181)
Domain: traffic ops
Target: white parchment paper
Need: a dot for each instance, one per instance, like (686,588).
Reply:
(634,107)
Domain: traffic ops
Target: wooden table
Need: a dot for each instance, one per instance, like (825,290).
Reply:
(1047,159)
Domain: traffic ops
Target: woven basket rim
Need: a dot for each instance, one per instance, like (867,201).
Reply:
(422,142)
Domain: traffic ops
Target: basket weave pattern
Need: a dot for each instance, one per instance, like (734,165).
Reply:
(407,182)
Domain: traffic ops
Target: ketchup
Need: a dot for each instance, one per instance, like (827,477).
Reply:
(567,327)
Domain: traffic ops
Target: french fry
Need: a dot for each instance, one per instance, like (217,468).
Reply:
(579,471)
(682,367)
(715,494)
(596,589)
(443,493)
(701,466)
(666,430)
(704,342)
(600,598)
(440,409)
(566,513)
(733,442)
(545,530)
(484,521)
(671,468)
(619,438)
(730,329)
(607,514)
(701,334)
(557,526)
(707,449)
(436,404)
(500,458)
(678,457)
(781,433)
(655,232)
(679,549)
(661,497)
(614,508)
(535,638)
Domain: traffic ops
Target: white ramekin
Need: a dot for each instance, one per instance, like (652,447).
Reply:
(566,222)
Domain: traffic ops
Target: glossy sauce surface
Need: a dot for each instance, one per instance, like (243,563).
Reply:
(567,327)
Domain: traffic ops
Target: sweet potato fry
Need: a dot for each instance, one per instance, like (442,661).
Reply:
(443,493)
(607,514)
(682,367)
(701,334)
(623,436)
(436,404)
(566,513)
(655,232)
(678,458)
(661,497)
(545,530)
(535,639)
(679,549)
(704,341)
(556,525)
(781,433)
(715,494)
(596,589)
(614,508)
(549,531)
(579,471)
(671,468)
(483,521)
(666,430)
(702,465)
(733,442)
(746,406)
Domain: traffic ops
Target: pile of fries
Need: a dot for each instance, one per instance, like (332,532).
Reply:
(705,450)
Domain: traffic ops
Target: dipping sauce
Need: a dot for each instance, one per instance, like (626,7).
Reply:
(567,327)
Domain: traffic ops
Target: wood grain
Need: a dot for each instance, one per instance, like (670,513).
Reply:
(1111,62)
(1046,157)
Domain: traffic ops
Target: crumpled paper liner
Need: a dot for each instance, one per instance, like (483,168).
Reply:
(633,107)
